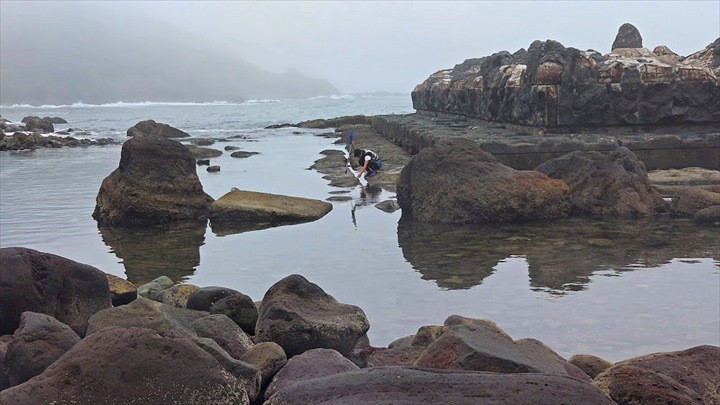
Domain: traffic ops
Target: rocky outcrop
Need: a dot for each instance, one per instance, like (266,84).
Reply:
(406,385)
(126,365)
(150,127)
(241,210)
(155,183)
(591,365)
(37,124)
(32,141)
(687,201)
(299,316)
(611,185)
(456,182)
(689,376)
(69,291)
(37,343)
(551,86)
(335,122)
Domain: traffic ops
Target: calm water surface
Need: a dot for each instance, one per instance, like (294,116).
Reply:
(614,289)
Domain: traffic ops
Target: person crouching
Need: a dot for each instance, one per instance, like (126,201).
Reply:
(368,161)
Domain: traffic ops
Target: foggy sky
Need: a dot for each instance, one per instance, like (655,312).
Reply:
(388,46)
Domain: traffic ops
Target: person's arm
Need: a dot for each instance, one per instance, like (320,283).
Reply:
(363,168)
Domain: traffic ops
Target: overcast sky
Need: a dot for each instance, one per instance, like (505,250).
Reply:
(393,46)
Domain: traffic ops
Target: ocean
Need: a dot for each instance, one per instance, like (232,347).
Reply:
(615,289)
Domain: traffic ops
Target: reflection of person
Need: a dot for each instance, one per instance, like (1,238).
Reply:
(370,193)
(369,162)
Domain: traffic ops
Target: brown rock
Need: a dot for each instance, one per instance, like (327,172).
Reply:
(269,357)
(69,291)
(591,365)
(122,291)
(627,37)
(149,127)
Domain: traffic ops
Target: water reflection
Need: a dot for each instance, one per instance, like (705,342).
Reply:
(561,255)
(147,253)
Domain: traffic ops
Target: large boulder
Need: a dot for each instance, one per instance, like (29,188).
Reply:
(155,183)
(240,209)
(42,125)
(683,377)
(240,308)
(37,343)
(591,365)
(131,365)
(299,316)
(315,363)
(149,127)
(480,345)
(687,201)
(404,385)
(607,185)
(226,333)
(69,291)
(457,182)
(269,357)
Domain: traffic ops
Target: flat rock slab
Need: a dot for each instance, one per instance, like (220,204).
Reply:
(240,208)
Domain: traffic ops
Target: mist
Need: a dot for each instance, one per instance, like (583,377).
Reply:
(53,52)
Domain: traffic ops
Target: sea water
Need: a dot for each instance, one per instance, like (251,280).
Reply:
(616,289)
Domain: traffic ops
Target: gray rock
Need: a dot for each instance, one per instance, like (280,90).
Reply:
(243,154)
(203,162)
(202,141)
(709,215)
(240,308)
(269,357)
(37,343)
(150,127)
(116,365)
(176,295)
(149,290)
(591,365)
(299,316)
(41,282)
(213,169)
(315,363)
(203,153)
(627,37)
(226,333)
(4,343)
(388,206)
(203,298)
(404,385)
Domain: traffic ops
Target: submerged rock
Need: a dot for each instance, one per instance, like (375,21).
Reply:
(155,183)
(457,182)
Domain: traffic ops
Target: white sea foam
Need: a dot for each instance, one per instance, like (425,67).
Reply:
(334,97)
(80,104)
(261,101)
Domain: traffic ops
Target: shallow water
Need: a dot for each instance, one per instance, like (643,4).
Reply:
(616,289)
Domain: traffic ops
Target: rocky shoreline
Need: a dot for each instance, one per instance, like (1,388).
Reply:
(166,343)
(35,133)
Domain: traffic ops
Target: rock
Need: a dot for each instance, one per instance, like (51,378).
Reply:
(457,182)
(150,127)
(239,207)
(231,147)
(269,357)
(336,122)
(38,124)
(315,363)
(41,282)
(37,343)
(203,153)
(203,162)
(121,291)
(213,169)
(149,290)
(240,308)
(202,141)
(612,185)
(388,206)
(126,365)
(226,333)
(4,343)
(176,295)
(243,154)
(591,365)
(299,316)
(203,298)
(687,201)
(553,87)
(55,120)
(144,313)
(663,50)
(627,37)
(402,352)
(480,345)
(404,385)
(709,215)
(155,183)
(685,377)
